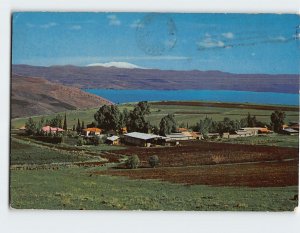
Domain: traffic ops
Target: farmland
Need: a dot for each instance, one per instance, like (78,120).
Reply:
(251,173)
(194,176)
(190,113)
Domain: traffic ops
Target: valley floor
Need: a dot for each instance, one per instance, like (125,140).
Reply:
(194,176)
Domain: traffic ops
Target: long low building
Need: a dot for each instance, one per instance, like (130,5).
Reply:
(141,139)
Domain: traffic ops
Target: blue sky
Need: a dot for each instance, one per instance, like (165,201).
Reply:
(237,43)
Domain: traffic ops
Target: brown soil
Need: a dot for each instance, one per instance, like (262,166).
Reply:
(217,164)
(262,174)
(208,153)
(228,105)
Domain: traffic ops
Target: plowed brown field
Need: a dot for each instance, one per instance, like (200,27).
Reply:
(218,164)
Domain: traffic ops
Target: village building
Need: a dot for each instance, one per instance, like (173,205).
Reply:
(141,139)
(22,129)
(124,130)
(289,131)
(256,130)
(91,131)
(180,130)
(294,125)
(179,136)
(213,135)
(52,130)
(113,140)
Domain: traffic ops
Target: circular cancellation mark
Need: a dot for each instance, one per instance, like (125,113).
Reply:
(156,34)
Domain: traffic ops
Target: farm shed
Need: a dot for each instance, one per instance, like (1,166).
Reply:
(290,131)
(113,140)
(294,125)
(179,136)
(91,131)
(141,139)
(256,130)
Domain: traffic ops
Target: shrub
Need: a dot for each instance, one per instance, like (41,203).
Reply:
(133,162)
(218,159)
(153,160)
(80,141)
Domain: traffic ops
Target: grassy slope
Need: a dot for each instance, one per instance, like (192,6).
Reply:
(75,189)
(269,140)
(182,113)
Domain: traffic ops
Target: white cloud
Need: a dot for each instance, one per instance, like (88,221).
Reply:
(279,38)
(113,20)
(228,35)
(48,25)
(208,42)
(75,27)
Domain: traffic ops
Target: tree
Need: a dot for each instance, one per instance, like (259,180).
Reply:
(108,117)
(228,125)
(91,125)
(82,125)
(167,125)
(133,162)
(74,128)
(55,122)
(153,160)
(204,126)
(277,120)
(30,126)
(124,118)
(182,125)
(78,127)
(155,129)
(65,127)
(136,118)
(251,121)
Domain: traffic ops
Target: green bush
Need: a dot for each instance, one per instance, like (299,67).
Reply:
(153,160)
(80,141)
(133,162)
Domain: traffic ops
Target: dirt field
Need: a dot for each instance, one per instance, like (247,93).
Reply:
(263,174)
(216,164)
(228,105)
(208,153)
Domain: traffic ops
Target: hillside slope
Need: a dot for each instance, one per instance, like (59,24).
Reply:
(35,96)
(98,77)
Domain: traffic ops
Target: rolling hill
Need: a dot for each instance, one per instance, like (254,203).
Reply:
(35,96)
(100,77)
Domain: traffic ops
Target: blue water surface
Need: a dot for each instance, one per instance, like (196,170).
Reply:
(125,96)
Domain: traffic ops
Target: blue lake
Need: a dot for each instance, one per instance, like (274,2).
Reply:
(125,96)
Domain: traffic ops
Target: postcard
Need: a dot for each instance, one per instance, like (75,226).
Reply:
(154,111)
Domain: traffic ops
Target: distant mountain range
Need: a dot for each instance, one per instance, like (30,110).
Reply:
(108,76)
(35,96)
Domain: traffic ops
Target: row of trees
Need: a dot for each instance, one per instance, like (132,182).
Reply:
(110,118)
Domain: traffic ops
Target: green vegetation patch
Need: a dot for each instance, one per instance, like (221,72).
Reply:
(28,153)
(75,188)
(269,140)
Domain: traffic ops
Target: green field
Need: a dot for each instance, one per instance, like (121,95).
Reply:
(76,189)
(268,140)
(184,114)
